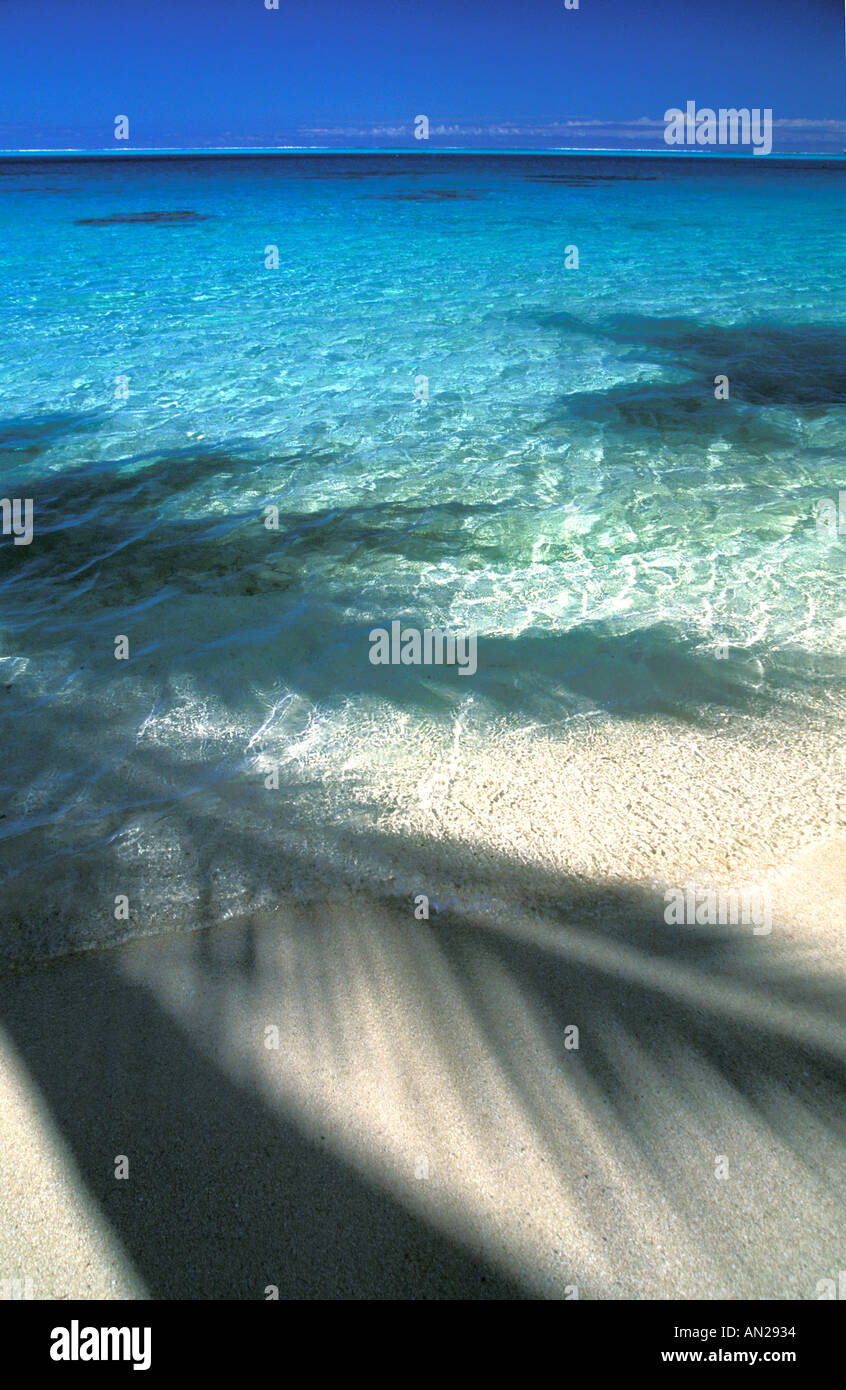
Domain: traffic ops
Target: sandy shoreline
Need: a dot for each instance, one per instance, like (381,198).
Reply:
(465,809)
(418,1125)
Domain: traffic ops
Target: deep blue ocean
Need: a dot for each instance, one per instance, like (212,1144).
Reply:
(461,423)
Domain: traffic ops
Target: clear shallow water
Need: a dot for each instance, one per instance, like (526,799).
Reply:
(571,490)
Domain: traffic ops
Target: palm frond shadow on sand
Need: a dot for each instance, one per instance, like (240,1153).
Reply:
(154,1050)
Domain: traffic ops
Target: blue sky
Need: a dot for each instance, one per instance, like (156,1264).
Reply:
(356,72)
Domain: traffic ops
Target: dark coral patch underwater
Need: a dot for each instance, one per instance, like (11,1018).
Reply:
(143,217)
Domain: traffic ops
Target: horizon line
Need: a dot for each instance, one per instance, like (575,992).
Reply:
(82,151)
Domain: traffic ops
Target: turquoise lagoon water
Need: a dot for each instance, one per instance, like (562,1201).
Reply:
(563,482)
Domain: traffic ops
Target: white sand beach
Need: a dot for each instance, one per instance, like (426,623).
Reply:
(336,1099)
